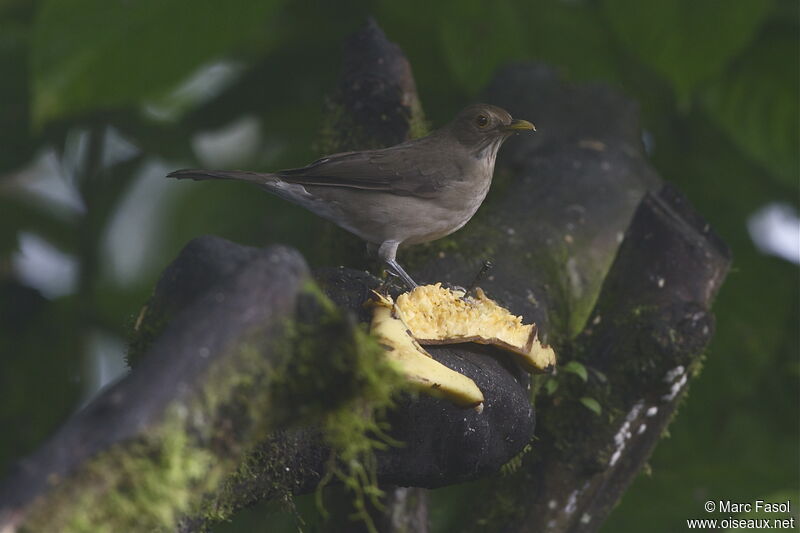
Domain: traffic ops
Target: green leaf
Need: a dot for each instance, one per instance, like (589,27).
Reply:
(686,41)
(756,104)
(592,405)
(550,386)
(99,54)
(576,368)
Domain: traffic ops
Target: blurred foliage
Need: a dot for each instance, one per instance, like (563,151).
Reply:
(686,41)
(89,55)
(756,103)
(717,83)
(15,144)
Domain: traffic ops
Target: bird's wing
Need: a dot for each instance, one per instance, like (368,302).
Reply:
(394,170)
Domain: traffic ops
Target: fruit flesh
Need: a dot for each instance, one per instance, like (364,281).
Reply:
(436,315)
(431,314)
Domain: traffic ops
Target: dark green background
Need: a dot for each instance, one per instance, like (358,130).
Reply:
(717,83)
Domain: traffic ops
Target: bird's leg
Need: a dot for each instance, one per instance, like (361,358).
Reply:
(387,253)
(398,270)
(389,279)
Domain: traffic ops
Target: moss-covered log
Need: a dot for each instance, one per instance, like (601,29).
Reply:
(150,447)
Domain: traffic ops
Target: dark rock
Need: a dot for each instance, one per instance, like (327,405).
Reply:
(377,91)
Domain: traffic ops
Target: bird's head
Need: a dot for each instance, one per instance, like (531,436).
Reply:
(482,126)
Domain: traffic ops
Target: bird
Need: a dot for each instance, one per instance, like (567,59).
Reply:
(414,192)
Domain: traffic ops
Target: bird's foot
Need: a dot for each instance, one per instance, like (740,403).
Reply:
(454,288)
(396,270)
(389,282)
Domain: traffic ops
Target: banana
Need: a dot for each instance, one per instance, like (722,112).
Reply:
(435,315)
(431,314)
(422,370)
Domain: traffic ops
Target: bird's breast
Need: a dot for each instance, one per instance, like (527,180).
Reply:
(467,190)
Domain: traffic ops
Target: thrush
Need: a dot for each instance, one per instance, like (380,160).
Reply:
(410,193)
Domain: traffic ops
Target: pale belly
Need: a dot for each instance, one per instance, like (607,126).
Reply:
(412,220)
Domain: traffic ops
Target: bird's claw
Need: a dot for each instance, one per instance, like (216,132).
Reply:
(388,283)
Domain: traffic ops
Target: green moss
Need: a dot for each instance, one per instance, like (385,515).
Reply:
(148,483)
(360,384)
(262,475)
(696,366)
(333,361)
(145,485)
(418,125)
(337,377)
(515,463)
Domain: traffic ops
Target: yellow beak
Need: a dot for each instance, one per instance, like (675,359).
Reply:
(520,125)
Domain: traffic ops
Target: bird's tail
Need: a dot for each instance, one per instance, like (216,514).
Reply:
(240,175)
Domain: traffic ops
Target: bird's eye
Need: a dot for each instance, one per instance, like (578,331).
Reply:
(482,121)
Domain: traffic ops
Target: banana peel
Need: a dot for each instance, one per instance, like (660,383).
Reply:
(422,370)
(431,314)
